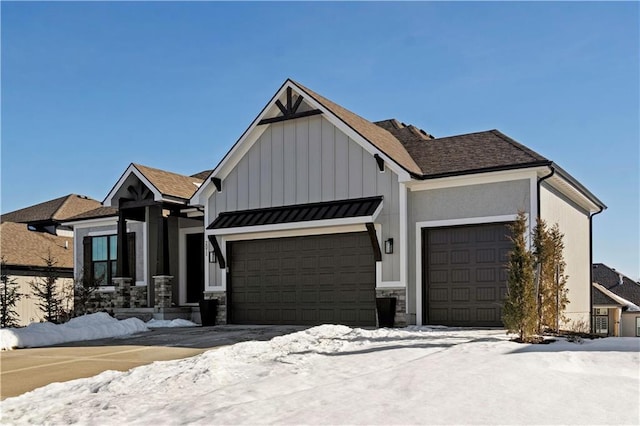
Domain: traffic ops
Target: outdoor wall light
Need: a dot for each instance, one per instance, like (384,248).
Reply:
(388,246)
(212,257)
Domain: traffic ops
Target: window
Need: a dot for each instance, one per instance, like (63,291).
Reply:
(601,325)
(101,258)
(637,326)
(600,311)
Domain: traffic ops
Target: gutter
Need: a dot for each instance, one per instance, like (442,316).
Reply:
(591,266)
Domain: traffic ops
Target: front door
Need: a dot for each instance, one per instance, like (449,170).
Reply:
(195,267)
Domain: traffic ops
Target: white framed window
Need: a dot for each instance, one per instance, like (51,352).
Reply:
(600,311)
(637,326)
(601,325)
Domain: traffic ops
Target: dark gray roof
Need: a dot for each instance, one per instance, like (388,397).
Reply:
(472,152)
(599,298)
(298,213)
(609,278)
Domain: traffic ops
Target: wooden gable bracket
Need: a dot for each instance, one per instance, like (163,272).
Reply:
(217,251)
(289,111)
(380,162)
(371,230)
(217,182)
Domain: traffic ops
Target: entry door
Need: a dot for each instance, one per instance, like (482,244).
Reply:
(195,267)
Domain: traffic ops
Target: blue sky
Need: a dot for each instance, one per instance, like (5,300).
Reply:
(88,88)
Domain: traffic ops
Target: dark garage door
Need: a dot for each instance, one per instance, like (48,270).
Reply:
(465,274)
(303,280)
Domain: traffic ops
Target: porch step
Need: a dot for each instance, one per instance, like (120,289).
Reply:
(146,314)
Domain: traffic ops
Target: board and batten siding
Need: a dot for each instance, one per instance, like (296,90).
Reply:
(574,224)
(308,160)
(468,202)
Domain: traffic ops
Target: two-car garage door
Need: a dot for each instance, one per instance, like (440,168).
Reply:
(314,279)
(465,274)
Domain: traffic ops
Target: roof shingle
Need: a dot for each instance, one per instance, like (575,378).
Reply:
(610,279)
(29,248)
(55,210)
(169,183)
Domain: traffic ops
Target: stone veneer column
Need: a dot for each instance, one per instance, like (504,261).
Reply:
(122,292)
(162,286)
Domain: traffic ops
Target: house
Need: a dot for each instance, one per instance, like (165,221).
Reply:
(616,303)
(29,236)
(315,212)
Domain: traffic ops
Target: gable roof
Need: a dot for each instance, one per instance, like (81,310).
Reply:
(169,183)
(98,213)
(626,304)
(22,247)
(617,283)
(55,210)
(600,298)
(380,137)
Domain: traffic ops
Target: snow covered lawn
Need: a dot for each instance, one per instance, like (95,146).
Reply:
(338,375)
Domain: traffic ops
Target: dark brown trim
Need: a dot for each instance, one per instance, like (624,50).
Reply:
(132,204)
(28,270)
(290,116)
(217,182)
(371,230)
(379,162)
(217,251)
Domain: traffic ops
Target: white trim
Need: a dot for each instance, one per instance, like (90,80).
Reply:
(89,223)
(444,223)
(475,179)
(379,283)
(182,261)
(296,225)
(404,241)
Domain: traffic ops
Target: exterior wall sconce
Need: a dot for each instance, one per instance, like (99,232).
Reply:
(388,246)
(212,257)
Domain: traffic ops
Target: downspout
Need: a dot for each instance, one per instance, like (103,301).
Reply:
(538,216)
(540,180)
(591,267)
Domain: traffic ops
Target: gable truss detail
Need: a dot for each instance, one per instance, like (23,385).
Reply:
(289,111)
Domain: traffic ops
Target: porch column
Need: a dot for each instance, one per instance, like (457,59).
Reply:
(162,282)
(122,280)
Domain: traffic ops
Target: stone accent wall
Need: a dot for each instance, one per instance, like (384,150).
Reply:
(139,296)
(221,296)
(122,292)
(163,291)
(401,303)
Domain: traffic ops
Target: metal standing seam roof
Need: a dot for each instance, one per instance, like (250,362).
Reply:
(298,213)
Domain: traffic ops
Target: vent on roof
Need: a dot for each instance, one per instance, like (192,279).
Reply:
(620,279)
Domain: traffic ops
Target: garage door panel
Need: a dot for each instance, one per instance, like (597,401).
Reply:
(465,274)
(310,280)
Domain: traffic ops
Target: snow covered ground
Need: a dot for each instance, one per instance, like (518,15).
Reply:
(339,375)
(87,327)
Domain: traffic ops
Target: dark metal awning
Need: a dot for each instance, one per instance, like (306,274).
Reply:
(328,210)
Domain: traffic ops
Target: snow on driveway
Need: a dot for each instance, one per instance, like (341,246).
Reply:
(339,375)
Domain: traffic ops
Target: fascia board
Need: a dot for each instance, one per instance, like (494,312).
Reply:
(475,179)
(101,221)
(108,201)
(232,157)
(574,190)
(294,225)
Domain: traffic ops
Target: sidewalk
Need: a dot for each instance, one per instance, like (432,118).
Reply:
(23,370)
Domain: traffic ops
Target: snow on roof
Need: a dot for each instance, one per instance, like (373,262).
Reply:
(631,307)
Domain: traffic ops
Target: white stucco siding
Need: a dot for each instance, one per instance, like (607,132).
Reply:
(461,204)
(308,160)
(574,224)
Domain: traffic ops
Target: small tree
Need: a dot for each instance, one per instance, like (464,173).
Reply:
(84,291)
(519,315)
(9,296)
(49,298)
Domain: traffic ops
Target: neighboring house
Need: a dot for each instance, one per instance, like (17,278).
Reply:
(29,236)
(315,212)
(616,303)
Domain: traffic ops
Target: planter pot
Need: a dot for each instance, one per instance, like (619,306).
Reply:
(386,307)
(208,312)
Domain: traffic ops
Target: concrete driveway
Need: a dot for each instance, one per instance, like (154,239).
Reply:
(23,370)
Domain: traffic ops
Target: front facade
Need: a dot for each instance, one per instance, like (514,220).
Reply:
(315,213)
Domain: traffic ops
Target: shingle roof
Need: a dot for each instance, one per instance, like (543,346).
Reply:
(55,210)
(98,213)
(28,248)
(378,136)
(609,278)
(169,183)
(600,298)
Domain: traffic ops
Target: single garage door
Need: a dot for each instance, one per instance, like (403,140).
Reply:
(303,280)
(465,274)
